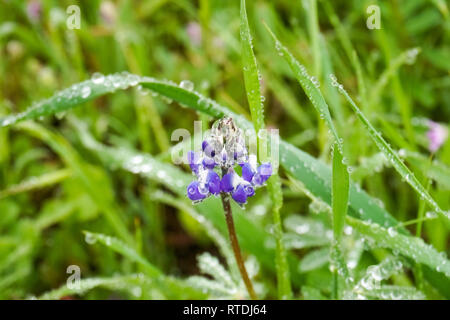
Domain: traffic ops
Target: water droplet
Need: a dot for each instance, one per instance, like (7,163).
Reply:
(392,232)
(85,92)
(89,238)
(97,78)
(186,84)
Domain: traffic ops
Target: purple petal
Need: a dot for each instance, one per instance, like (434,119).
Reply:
(247,172)
(209,163)
(249,190)
(263,173)
(226,184)
(193,192)
(193,159)
(265,170)
(239,195)
(213,181)
(208,149)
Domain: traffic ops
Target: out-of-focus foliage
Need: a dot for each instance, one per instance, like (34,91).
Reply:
(90,181)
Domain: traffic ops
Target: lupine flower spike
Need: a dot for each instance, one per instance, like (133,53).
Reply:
(223,151)
(214,167)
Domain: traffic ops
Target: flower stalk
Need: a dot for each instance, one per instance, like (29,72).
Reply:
(235,246)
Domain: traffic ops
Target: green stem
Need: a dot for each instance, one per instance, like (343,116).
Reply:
(418,273)
(335,289)
(235,246)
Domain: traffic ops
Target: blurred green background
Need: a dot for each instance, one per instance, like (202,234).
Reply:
(45,205)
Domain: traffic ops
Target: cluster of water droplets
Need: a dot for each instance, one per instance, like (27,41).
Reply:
(411,55)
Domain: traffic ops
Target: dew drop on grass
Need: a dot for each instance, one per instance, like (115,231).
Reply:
(85,92)
(392,232)
(186,84)
(98,78)
(315,82)
(89,238)
(137,292)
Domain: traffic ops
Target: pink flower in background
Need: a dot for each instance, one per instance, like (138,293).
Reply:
(34,10)
(108,12)
(194,32)
(437,135)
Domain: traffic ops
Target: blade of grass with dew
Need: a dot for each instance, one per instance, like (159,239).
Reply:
(167,282)
(339,203)
(114,283)
(253,90)
(392,156)
(120,247)
(251,73)
(33,183)
(340,192)
(310,86)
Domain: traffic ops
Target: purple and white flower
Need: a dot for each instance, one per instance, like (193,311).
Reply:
(214,167)
(437,135)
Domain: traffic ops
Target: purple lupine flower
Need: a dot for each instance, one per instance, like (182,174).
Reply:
(222,150)
(194,193)
(437,135)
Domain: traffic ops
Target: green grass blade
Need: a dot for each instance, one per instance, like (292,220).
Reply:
(392,156)
(114,283)
(339,204)
(33,183)
(310,86)
(169,285)
(125,250)
(253,90)
(251,73)
(340,193)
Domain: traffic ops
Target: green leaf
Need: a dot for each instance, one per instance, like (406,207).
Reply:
(339,193)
